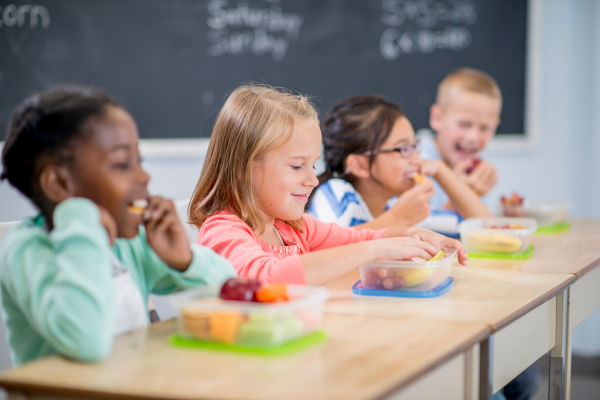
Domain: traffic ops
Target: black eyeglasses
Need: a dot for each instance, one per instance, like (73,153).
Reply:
(406,150)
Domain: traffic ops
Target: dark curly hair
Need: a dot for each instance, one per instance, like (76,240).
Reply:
(43,128)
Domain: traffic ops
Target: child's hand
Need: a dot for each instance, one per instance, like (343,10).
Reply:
(403,248)
(413,205)
(431,167)
(439,242)
(109,223)
(481,179)
(166,235)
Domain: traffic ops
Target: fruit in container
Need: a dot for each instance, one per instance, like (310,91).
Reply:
(224,326)
(514,200)
(415,276)
(239,289)
(271,293)
(511,226)
(266,329)
(493,243)
(438,256)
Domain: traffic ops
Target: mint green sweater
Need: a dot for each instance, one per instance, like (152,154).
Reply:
(57,288)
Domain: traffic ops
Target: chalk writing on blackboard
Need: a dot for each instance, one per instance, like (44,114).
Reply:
(242,29)
(422,27)
(12,15)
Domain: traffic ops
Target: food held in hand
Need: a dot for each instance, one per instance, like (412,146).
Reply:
(239,289)
(138,206)
(420,179)
(492,243)
(514,200)
(271,293)
(438,256)
(476,162)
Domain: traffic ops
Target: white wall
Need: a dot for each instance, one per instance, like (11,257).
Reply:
(564,164)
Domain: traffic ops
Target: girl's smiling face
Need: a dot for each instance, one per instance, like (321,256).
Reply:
(285,177)
(107,170)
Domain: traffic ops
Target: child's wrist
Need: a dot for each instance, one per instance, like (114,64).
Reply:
(184,264)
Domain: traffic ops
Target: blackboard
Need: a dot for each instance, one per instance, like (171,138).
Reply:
(172,62)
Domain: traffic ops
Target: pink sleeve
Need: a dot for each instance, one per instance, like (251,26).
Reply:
(321,236)
(235,241)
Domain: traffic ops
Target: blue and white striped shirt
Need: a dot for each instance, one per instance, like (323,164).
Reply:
(337,201)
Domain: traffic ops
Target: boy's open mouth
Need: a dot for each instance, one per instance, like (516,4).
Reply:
(467,150)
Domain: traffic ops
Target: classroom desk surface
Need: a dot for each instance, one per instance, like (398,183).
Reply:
(495,297)
(363,358)
(576,251)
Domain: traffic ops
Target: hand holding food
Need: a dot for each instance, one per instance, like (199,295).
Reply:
(166,235)
(413,205)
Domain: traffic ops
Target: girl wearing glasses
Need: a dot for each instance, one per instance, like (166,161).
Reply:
(371,157)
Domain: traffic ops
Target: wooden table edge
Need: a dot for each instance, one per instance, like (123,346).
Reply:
(22,386)
(484,334)
(533,304)
(582,272)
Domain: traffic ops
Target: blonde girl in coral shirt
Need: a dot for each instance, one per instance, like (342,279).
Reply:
(250,199)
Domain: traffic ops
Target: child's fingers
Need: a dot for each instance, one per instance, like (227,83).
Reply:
(417,252)
(158,208)
(166,223)
(455,244)
(462,166)
(425,244)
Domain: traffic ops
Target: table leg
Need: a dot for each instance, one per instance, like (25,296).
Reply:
(558,354)
(486,373)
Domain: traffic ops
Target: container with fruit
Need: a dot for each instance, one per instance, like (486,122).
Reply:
(547,213)
(497,235)
(247,312)
(411,275)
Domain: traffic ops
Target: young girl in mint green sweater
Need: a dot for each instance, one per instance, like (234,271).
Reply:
(81,271)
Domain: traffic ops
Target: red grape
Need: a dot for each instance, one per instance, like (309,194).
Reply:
(382,272)
(399,282)
(388,283)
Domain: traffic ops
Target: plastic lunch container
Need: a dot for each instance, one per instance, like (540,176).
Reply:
(546,213)
(203,315)
(478,236)
(407,275)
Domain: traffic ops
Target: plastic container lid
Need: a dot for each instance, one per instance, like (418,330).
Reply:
(360,290)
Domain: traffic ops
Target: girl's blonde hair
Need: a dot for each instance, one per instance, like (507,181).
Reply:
(254,120)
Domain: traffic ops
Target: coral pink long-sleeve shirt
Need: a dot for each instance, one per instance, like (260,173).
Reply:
(232,238)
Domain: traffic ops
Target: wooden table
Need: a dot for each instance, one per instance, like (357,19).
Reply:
(574,252)
(524,311)
(363,358)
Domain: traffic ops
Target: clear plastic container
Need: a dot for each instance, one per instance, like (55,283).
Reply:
(487,235)
(546,213)
(407,275)
(203,315)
